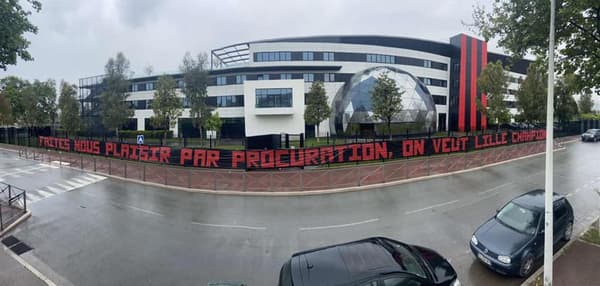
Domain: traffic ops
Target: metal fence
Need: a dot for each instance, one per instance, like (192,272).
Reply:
(284,180)
(13,203)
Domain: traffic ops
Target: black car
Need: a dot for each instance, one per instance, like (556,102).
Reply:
(591,135)
(513,240)
(376,261)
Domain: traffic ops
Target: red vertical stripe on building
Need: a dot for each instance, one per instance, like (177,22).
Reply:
(473,115)
(483,95)
(462,92)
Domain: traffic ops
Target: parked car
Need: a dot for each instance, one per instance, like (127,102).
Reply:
(375,261)
(512,241)
(591,135)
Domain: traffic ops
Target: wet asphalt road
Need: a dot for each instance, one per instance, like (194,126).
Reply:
(111,232)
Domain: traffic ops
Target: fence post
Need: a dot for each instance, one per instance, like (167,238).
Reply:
(144,172)
(59,159)
(9,193)
(80,161)
(25,201)
(125,167)
(358,183)
(109,166)
(189,176)
(94,164)
(215,182)
(301,182)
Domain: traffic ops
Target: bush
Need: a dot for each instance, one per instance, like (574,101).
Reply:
(157,134)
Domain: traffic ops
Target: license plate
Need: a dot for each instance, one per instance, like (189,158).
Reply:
(484,259)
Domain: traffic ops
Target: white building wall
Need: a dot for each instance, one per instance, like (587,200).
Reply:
(263,121)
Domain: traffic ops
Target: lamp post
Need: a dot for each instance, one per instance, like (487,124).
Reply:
(548,197)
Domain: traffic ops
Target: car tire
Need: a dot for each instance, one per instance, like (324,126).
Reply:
(568,232)
(526,265)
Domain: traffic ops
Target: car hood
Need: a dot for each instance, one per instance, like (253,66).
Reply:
(500,238)
(439,266)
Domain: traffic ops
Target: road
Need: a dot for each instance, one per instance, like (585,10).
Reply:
(111,232)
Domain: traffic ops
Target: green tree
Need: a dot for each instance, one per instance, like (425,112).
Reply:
(493,82)
(5,115)
(317,108)
(39,103)
(565,106)
(114,110)
(11,88)
(213,123)
(386,100)
(166,105)
(69,108)
(586,104)
(195,79)
(522,27)
(531,96)
(15,24)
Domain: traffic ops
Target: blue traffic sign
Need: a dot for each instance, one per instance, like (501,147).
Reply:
(140,139)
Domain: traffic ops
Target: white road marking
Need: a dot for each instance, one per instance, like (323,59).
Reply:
(19,170)
(338,225)
(97,176)
(80,181)
(49,166)
(87,180)
(54,190)
(66,188)
(431,207)
(74,184)
(230,226)
(143,210)
(13,175)
(44,193)
(495,188)
(32,197)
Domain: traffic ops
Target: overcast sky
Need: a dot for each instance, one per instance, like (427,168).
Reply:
(76,37)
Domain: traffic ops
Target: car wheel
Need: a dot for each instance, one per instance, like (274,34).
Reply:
(526,265)
(568,232)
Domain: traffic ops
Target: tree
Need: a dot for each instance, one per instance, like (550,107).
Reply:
(493,82)
(386,100)
(11,88)
(586,104)
(195,79)
(213,123)
(15,24)
(69,108)
(5,115)
(531,96)
(39,103)
(317,108)
(114,110)
(166,105)
(522,27)
(565,106)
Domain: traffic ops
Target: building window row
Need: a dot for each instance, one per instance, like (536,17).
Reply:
(308,56)
(230,101)
(433,82)
(273,56)
(439,99)
(285,76)
(309,77)
(221,80)
(151,85)
(273,97)
(239,79)
(140,104)
(382,59)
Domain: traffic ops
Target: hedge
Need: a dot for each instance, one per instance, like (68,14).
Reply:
(157,134)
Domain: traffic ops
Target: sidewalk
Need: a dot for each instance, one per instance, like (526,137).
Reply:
(578,265)
(12,273)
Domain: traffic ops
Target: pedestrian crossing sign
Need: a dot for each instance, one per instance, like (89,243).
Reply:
(140,139)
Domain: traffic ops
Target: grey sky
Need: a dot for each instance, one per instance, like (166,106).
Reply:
(76,37)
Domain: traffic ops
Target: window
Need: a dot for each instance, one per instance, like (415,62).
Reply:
(262,77)
(328,56)
(180,83)
(141,86)
(383,59)
(273,97)
(134,88)
(239,79)
(401,281)
(439,99)
(149,104)
(427,63)
(329,77)
(221,80)
(559,210)
(307,56)
(185,102)
(273,56)
(309,77)
(427,81)
(230,101)
(149,86)
(286,76)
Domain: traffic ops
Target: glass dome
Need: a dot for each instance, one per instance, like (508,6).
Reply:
(352,103)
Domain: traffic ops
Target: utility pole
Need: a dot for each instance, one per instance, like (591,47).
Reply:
(549,208)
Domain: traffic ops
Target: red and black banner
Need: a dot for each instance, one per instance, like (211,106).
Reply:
(290,158)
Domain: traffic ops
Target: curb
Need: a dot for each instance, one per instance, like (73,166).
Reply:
(535,274)
(315,192)
(28,266)
(15,223)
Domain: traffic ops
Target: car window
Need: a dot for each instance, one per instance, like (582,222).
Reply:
(371,283)
(519,218)
(560,210)
(401,281)
(406,259)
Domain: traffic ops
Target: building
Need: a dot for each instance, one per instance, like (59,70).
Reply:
(259,87)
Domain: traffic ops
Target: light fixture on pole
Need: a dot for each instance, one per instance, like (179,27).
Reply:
(548,197)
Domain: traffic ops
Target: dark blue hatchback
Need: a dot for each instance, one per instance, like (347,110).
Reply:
(513,240)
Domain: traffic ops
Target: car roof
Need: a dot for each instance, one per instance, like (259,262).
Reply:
(343,263)
(534,199)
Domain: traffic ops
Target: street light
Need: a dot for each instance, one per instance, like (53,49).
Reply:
(548,198)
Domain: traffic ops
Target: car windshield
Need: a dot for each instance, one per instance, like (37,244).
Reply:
(406,259)
(591,131)
(519,218)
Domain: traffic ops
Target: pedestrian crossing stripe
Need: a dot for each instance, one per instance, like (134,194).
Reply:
(58,188)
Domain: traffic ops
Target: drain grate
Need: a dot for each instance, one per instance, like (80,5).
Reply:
(16,245)
(10,241)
